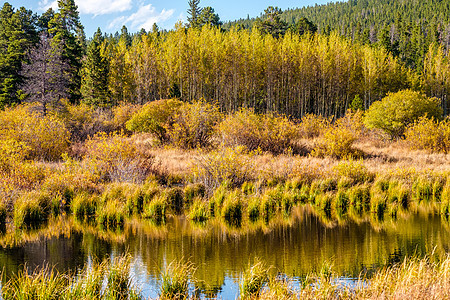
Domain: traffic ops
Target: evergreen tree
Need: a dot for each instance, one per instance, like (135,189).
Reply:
(68,37)
(304,26)
(194,11)
(208,16)
(94,86)
(272,23)
(44,20)
(17,35)
(125,36)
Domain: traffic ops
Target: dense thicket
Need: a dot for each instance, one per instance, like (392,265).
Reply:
(269,68)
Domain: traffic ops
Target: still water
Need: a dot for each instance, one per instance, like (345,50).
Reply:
(295,247)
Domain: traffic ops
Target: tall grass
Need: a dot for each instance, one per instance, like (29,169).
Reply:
(107,280)
(253,280)
(32,209)
(175,280)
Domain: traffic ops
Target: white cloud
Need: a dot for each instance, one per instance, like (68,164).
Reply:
(145,17)
(46,4)
(103,7)
(92,7)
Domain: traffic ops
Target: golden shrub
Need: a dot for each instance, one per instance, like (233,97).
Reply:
(429,134)
(228,165)
(154,118)
(336,142)
(45,135)
(275,134)
(83,120)
(193,125)
(312,126)
(115,157)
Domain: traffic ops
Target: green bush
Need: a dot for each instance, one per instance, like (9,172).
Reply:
(397,110)
(154,118)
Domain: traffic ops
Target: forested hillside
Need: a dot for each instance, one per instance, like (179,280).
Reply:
(272,67)
(406,28)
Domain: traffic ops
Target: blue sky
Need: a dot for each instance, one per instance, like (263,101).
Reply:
(110,15)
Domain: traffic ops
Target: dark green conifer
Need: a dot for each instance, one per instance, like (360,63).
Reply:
(94,86)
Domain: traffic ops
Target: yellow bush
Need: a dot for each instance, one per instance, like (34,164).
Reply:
(228,165)
(397,110)
(337,142)
(312,126)
(193,125)
(275,134)
(45,135)
(83,120)
(122,114)
(115,157)
(16,171)
(430,135)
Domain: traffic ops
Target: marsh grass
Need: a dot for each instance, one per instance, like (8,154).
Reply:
(84,206)
(253,209)
(175,280)
(45,284)
(198,211)
(32,209)
(107,280)
(3,216)
(192,191)
(233,209)
(253,279)
(156,209)
(111,214)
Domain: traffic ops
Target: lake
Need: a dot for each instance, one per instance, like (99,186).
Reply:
(293,247)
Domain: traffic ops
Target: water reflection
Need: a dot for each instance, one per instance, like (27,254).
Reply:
(220,253)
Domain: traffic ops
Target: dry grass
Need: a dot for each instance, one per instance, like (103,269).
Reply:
(412,279)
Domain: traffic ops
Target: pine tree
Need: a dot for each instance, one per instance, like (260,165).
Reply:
(194,12)
(94,86)
(208,16)
(68,37)
(272,23)
(17,34)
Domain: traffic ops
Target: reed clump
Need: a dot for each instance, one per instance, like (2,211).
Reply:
(48,284)
(111,214)
(198,211)
(84,206)
(32,209)
(156,209)
(232,209)
(175,280)
(252,280)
